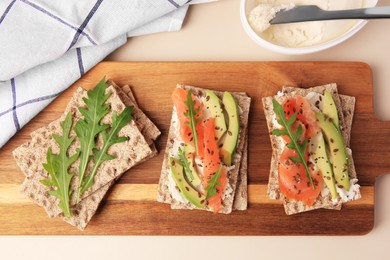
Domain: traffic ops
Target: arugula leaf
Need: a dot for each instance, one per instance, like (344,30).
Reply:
(110,137)
(89,127)
(212,184)
(57,166)
(191,115)
(186,165)
(294,137)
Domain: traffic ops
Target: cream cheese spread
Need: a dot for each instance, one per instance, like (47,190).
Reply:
(305,33)
(261,15)
(352,194)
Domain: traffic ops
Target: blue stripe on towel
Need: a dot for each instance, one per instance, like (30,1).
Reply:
(6,11)
(16,121)
(84,24)
(41,9)
(80,61)
(31,101)
(174,3)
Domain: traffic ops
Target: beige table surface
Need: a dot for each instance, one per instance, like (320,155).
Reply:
(213,32)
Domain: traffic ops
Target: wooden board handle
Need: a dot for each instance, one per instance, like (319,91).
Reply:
(370,157)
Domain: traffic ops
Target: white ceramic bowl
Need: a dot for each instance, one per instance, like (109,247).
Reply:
(247,5)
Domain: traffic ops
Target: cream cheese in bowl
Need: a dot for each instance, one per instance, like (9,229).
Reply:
(299,36)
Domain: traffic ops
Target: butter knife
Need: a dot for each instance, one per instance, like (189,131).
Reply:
(306,13)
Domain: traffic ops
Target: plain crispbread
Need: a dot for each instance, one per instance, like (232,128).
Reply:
(241,196)
(127,153)
(147,128)
(145,125)
(345,107)
(163,191)
(31,155)
(83,212)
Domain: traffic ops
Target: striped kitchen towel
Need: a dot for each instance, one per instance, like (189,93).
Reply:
(46,45)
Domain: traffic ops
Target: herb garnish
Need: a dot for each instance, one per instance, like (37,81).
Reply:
(293,144)
(186,165)
(110,137)
(89,127)
(57,166)
(191,114)
(211,188)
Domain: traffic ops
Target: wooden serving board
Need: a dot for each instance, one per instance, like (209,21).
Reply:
(130,207)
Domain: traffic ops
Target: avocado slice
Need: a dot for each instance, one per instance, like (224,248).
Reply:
(231,138)
(213,105)
(337,150)
(318,150)
(188,192)
(329,108)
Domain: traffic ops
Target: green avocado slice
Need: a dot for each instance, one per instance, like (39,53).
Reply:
(318,150)
(338,153)
(188,192)
(329,108)
(213,105)
(231,138)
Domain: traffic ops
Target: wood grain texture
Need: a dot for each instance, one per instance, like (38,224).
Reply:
(9,194)
(130,209)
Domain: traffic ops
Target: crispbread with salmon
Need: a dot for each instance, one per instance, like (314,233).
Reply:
(232,191)
(345,107)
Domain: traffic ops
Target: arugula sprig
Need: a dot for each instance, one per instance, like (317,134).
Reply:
(294,137)
(191,114)
(186,164)
(89,127)
(110,137)
(57,166)
(212,184)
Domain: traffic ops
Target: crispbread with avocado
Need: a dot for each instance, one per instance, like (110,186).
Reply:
(345,107)
(165,187)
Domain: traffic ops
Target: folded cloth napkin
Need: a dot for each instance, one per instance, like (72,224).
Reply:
(45,46)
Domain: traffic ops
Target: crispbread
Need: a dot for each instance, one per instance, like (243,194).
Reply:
(83,212)
(240,201)
(33,189)
(345,106)
(145,125)
(163,191)
(241,196)
(148,129)
(31,155)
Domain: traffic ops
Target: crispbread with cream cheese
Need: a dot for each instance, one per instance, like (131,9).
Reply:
(164,194)
(345,107)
